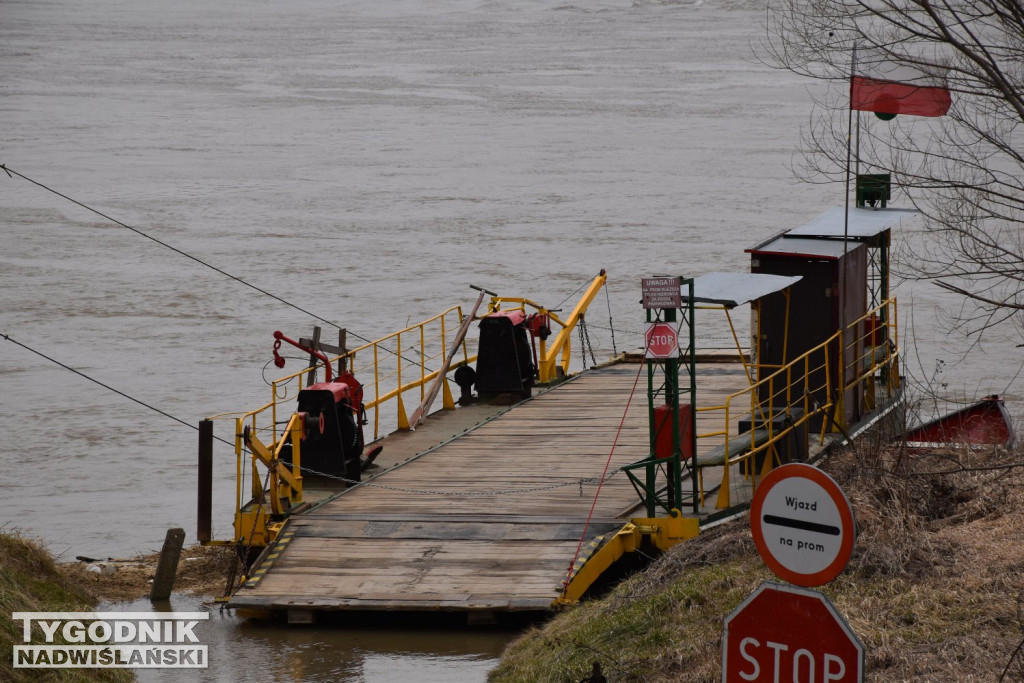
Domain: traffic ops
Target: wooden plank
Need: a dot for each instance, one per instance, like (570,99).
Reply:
(298,522)
(509,603)
(337,585)
(449,531)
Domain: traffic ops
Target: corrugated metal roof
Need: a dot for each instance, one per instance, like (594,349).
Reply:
(805,247)
(863,225)
(736,289)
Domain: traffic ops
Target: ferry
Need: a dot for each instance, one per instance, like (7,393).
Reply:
(458,465)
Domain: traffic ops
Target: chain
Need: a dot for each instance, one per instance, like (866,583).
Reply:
(611,326)
(585,344)
(640,333)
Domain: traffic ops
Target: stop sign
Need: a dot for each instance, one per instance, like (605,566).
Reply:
(661,341)
(785,633)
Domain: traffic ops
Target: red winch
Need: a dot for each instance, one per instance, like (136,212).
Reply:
(335,408)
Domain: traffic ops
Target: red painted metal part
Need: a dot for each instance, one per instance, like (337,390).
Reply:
(985,422)
(279,360)
(345,387)
(663,432)
(517,317)
(539,325)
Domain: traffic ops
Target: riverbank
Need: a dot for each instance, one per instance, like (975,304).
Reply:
(202,571)
(933,589)
(31,581)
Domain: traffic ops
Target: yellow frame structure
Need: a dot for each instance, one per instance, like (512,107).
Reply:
(660,532)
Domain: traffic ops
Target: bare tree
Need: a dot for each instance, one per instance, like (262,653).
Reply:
(963,171)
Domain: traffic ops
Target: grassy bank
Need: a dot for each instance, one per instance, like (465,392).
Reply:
(934,589)
(30,581)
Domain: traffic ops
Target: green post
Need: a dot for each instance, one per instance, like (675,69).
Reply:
(691,353)
(651,471)
(672,401)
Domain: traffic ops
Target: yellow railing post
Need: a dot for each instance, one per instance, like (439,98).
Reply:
(825,426)
(722,502)
(423,357)
(403,419)
(376,391)
(841,404)
(256,485)
(273,410)
(297,437)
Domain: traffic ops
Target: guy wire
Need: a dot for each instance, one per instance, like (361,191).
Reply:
(11,172)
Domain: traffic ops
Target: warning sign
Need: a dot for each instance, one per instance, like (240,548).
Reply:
(661,292)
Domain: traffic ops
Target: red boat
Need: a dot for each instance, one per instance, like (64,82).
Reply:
(984,422)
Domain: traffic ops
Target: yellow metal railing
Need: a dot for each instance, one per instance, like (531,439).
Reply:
(802,390)
(389,368)
(399,365)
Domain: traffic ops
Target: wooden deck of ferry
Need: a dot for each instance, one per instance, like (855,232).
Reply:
(485,520)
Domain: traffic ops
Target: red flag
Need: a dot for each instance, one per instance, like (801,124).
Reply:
(886,88)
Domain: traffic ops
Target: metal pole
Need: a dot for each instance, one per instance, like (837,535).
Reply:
(650,470)
(672,401)
(692,369)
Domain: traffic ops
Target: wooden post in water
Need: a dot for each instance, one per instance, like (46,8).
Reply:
(167,567)
(204,515)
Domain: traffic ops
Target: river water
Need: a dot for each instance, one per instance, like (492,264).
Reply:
(366,161)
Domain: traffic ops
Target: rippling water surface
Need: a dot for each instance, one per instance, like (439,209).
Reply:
(366,161)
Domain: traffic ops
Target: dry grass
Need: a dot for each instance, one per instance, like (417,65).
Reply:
(934,589)
(31,582)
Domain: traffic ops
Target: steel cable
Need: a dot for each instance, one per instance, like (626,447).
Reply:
(11,173)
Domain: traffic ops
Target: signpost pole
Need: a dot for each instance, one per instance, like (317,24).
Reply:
(662,298)
(651,471)
(672,401)
(691,368)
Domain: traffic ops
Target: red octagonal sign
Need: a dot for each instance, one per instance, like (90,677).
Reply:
(785,633)
(661,341)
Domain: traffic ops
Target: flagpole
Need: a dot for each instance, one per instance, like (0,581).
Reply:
(856,155)
(846,236)
(849,149)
